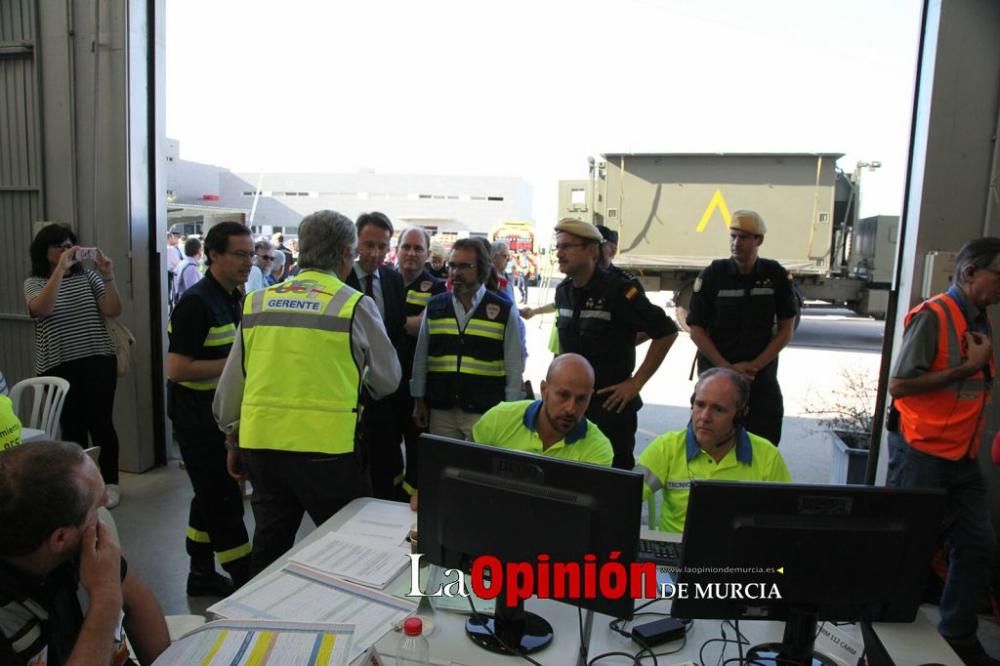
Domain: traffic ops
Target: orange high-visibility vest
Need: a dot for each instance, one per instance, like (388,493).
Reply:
(947,422)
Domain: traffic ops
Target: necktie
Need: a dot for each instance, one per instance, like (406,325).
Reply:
(368,286)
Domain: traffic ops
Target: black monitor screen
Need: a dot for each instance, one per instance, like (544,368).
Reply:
(840,553)
(482,500)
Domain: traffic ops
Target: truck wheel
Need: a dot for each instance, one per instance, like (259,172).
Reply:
(682,303)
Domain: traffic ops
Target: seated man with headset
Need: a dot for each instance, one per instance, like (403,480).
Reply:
(714,446)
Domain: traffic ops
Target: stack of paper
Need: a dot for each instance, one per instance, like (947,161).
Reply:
(306,595)
(363,559)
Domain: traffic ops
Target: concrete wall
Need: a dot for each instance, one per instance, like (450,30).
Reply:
(22,180)
(84,159)
(953,158)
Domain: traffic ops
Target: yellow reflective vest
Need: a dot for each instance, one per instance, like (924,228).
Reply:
(302,382)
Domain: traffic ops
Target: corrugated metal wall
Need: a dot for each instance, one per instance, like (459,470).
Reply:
(20,179)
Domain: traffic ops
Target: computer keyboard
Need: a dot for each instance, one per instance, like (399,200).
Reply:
(664,553)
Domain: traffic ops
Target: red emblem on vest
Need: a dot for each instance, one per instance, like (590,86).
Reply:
(492,311)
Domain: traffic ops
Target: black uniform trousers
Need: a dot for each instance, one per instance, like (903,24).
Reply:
(619,428)
(215,523)
(287,484)
(766,407)
(381,437)
(411,440)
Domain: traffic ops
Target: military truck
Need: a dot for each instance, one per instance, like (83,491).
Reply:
(672,213)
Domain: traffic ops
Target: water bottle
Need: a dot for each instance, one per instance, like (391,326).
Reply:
(413,648)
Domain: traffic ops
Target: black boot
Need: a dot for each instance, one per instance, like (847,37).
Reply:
(208,584)
(240,571)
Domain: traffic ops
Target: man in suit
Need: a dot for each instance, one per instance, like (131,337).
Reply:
(379,424)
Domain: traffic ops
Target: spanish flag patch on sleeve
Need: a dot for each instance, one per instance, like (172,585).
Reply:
(631,292)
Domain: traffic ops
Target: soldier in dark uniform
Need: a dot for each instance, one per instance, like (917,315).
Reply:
(202,329)
(600,313)
(609,250)
(419,286)
(742,315)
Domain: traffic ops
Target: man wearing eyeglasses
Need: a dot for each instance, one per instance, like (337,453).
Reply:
(468,354)
(202,329)
(941,386)
(600,313)
(262,260)
(742,315)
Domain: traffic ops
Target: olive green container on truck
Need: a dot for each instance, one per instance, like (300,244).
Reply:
(672,213)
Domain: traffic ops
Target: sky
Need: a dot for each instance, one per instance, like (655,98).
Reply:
(531,89)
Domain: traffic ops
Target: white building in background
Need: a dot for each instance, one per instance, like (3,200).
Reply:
(460,205)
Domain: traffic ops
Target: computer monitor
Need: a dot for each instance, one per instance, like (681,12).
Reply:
(480,500)
(805,553)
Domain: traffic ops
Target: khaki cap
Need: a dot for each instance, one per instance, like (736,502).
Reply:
(581,229)
(749,221)
(438,250)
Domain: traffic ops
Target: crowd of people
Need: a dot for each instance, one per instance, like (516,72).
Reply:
(370,355)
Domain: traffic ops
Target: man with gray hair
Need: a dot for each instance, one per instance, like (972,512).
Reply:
(941,387)
(716,445)
(500,256)
(297,438)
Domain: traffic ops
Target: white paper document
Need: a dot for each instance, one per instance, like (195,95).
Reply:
(290,594)
(365,560)
(390,523)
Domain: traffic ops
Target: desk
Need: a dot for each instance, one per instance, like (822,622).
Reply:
(911,644)
(29,434)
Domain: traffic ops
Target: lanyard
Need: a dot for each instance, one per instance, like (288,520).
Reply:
(955,294)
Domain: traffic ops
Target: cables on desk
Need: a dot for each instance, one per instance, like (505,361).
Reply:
(646,652)
(740,640)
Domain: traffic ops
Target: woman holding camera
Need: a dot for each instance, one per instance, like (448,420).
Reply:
(69,303)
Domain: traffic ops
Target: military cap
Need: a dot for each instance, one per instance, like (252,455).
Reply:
(580,229)
(749,221)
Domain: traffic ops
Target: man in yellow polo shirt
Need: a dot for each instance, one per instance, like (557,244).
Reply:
(555,425)
(715,446)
